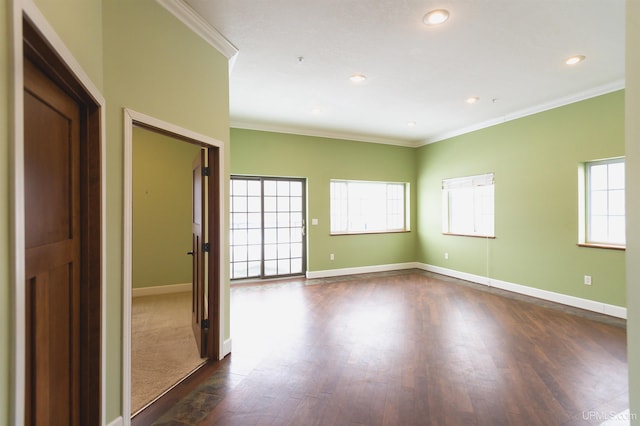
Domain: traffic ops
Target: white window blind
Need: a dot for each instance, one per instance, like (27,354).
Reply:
(367,207)
(468,205)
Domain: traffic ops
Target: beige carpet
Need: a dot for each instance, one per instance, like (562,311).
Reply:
(163,349)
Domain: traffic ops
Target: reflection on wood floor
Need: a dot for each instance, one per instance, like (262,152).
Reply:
(409,348)
(163,349)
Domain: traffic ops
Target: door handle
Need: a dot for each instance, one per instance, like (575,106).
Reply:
(303,228)
(190,253)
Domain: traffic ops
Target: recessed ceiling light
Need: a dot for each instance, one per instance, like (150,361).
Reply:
(436,17)
(316,111)
(358,78)
(472,100)
(411,124)
(572,60)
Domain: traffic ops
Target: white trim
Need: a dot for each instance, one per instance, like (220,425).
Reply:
(478,279)
(40,22)
(116,422)
(161,289)
(29,9)
(226,348)
(556,103)
(127,268)
(196,23)
(131,117)
(17,386)
(291,130)
(361,270)
(577,302)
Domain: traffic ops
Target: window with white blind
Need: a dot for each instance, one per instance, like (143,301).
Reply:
(605,202)
(468,205)
(367,207)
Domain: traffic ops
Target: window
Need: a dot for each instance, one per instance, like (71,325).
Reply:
(367,207)
(267,235)
(605,202)
(467,204)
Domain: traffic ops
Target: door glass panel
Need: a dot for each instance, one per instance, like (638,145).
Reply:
(271,251)
(267,221)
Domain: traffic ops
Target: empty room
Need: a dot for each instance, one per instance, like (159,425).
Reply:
(329,213)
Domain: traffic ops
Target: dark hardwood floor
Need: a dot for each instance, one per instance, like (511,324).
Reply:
(409,348)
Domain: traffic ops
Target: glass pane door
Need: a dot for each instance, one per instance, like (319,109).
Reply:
(267,227)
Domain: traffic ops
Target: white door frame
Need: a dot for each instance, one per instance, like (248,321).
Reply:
(130,119)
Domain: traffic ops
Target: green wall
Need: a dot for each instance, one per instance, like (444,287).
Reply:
(79,25)
(155,65)
(320,160)
(141,57)
(633,203)
(535,160)
(161,209)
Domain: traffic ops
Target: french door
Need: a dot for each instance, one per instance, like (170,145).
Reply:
(268,235)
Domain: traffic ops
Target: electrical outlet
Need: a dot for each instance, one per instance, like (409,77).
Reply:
(331,256)
(587,280)
(446,255)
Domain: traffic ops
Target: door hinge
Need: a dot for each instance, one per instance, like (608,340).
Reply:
(206,247)
(204,323)
(206,171)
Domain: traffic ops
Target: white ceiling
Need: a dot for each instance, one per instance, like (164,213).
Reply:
(509,53)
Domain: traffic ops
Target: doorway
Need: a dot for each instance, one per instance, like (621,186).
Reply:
(162,339)
(62,162)
(212,294)
(268,229)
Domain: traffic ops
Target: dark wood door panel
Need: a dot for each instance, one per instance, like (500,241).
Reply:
(52,345)
(63,239)
(49,183)
(52,255)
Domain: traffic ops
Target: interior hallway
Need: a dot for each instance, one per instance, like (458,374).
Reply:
(409,348)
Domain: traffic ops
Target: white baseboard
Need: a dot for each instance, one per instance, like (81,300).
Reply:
(118,421)
(361,270)
(577,302)
(226,348)
(160,289)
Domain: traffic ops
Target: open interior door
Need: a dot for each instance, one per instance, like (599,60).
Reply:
(200,322)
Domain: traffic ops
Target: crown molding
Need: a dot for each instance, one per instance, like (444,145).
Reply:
(196,23)
(245,125)
(556,103)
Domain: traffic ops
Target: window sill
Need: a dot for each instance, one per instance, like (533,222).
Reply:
(403,231)
(491,237)
(602,246)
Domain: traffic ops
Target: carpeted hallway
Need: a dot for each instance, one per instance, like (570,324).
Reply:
(163,349)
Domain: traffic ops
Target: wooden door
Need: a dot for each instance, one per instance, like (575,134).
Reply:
(198,310)
(52,255)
